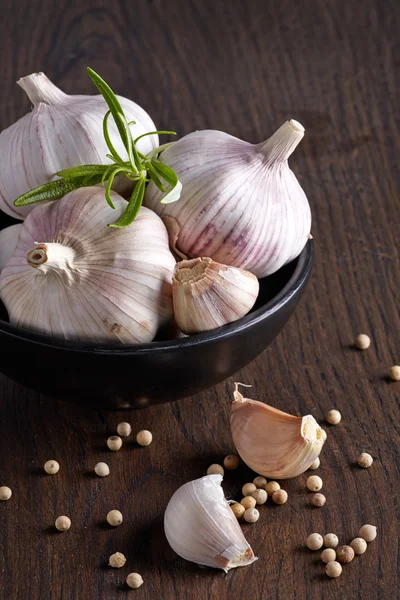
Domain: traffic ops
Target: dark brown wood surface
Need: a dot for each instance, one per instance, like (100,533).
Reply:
(243,67)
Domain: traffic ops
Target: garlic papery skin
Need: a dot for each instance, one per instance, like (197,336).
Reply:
(61,132)
(240,204)
(73,277)
(207,294)
(271,442)
(201,527)
(8,242)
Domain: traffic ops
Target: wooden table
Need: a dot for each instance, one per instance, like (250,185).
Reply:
(242,67)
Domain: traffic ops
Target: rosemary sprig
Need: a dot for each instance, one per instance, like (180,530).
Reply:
(138,168)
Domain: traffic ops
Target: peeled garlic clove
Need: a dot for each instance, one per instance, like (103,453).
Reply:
(240,204)
(201,527)
(73,277)
(207,294)
(60,132)
(271,442)
(8,242)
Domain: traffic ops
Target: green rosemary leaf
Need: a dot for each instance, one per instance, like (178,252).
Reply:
(154,176)
(154,153)
(53,190)
(135,202)
(107,138)
(83,170)
(171,178)
(114,106)
(109,184)
(154,133)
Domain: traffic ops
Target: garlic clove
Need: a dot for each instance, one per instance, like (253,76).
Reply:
(201,527)
(207,294)
(73,277)
(271,442)
(241,205)
(60,132)
(8,242)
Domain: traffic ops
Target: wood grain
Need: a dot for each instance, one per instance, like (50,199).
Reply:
(242,67)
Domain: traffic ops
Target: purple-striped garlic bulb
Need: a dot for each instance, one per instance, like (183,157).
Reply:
(73,277)
(8,242)
(60,132)
(240,204)
(207,294)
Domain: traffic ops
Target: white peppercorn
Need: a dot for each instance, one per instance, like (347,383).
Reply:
(248,502)
(51,467)
(333,569)
(365,460)
(345,554)
(318,500)
(124,429)
(260,482)
(63,523)
(231,462)
(280,497)
(362,341)
(333,417)
(314,541)
(114,443)
(248,489)
(367,533)
(314,483)
(251,515)
(331,540)
(144,437)
(272,487)
(5,493)
(101,469)
(215,470)
(260,496)
(238,510)
(314,465)
(394,373)
(117,560)
(134,580)
(359,545)
(328,555)
(114,518)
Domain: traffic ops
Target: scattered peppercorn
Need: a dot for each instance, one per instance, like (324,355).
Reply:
(238,510)
(362,341)
(215,470)
(251,515)
(365,460)
(331,540)
(117,560)
(114,518)
(51,467)
(114,443)
(345,554)
(280,497)
(394,373)
(5,493)
(367,533)
(318,500)
(248,502)
(101,469)
(63,523)
(333,417)
(328,555)
(260,482)
(272,487)
(314,541)
(231,462)
(333,569)
(134,580)
(359,545)
(248,489)
(124,429)
(144,438)
(314,483)
(314,465)
(260,496)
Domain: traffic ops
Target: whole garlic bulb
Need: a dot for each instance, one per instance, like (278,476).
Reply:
(201,527)
(240,204)
(207,294)
(72,276)
(271,442)
(61,132)
(8,242)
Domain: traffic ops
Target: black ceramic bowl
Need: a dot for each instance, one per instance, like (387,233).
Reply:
(106,376)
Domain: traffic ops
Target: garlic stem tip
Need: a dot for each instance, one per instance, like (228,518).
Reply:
(296,126)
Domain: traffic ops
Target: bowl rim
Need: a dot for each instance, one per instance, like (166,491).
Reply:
(295,283)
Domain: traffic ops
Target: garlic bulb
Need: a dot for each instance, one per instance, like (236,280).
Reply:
(72,276)
(8,242)
(201,527)
(240,204)
(207,295)
(61,132)
(271,442)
